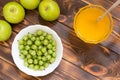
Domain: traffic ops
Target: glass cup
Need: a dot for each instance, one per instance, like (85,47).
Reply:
(104,37)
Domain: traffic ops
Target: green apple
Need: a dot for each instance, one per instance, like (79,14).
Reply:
(5,30)
(30,4)
(13,12)
(49,10)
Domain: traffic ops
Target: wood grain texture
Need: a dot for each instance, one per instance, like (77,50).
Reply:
(9,72)
(80,61)
(67,19)
(113,40)
(35,20)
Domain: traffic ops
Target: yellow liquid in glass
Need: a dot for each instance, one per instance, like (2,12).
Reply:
(87,27)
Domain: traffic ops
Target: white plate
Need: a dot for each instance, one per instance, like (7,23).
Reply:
(19,62)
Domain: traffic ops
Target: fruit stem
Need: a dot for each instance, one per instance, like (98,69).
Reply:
(46,8)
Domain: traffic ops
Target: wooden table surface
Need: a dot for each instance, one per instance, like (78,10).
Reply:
(80,61)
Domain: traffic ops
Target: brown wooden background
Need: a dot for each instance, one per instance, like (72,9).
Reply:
(80,61)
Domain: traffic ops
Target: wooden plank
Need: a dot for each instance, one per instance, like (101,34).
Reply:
(59,70)
(9,60)
(67,71)
(113,1)
(113,42)
(4,77)
(11,72)
(73,71)
(53,76)
(68,10)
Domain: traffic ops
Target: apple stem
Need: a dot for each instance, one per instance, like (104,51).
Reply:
(12,10)
(46,8)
